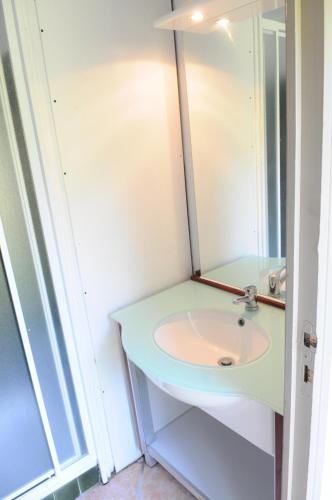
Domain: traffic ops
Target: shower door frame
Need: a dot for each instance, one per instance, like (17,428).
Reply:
(56,472)
(55,477)
(65,275)
(277,30)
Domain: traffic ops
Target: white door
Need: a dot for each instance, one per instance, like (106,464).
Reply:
(308,218)
(319,474)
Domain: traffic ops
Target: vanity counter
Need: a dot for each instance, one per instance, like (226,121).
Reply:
(261,380)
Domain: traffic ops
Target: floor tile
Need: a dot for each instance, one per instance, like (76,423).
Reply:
(158,484)
(68,492)
(139,482)
(123,486)
(88,479)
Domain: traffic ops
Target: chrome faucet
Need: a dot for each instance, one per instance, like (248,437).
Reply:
(276,279)
(250,298)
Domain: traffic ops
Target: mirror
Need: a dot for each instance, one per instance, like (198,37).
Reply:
(233,98)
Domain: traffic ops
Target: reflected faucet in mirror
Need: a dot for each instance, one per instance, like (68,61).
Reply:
(276,279)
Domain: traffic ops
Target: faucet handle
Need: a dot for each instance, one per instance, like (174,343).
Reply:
(249,298)
(251,291)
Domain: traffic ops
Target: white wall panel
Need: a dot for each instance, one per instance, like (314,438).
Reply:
(116,116)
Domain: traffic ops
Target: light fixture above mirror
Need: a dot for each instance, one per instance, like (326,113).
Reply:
(197,16)
(210,15)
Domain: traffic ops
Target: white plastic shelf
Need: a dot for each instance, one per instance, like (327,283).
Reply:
(213,461)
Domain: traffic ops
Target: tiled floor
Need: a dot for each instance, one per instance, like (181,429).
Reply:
(139,482)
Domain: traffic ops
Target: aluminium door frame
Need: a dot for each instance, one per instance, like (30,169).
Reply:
(19,18)
(279,31)
(14,150)
(57,476)
(15,299)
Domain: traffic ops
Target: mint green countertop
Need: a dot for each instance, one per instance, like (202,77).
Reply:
(251,270)
(261,380)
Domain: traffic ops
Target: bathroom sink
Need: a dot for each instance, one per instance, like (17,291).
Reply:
(178,338)
(211,338)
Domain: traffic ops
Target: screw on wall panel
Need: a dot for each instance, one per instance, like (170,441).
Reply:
(54,100)
(42,30)
(64,173)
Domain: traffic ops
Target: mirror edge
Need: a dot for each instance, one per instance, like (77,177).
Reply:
(264,299)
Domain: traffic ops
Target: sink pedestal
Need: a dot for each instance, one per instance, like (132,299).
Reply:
(205,455)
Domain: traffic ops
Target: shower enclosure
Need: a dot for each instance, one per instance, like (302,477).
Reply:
(41,432)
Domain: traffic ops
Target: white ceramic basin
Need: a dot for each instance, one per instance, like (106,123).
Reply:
(211,338)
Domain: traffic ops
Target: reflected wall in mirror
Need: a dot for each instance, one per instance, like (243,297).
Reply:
(234,95)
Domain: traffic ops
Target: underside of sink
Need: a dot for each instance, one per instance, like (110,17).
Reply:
(202,399)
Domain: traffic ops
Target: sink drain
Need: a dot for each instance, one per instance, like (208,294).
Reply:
(226,361)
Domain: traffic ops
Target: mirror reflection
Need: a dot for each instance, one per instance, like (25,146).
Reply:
(235,81)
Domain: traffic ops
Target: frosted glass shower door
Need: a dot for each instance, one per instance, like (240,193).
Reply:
(24,452)
(41,429)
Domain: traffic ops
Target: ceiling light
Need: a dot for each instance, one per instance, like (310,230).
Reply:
(197,17)
(223,23)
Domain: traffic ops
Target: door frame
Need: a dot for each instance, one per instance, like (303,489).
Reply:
(320,457)
(19,19)
(306,474)
(54,477)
